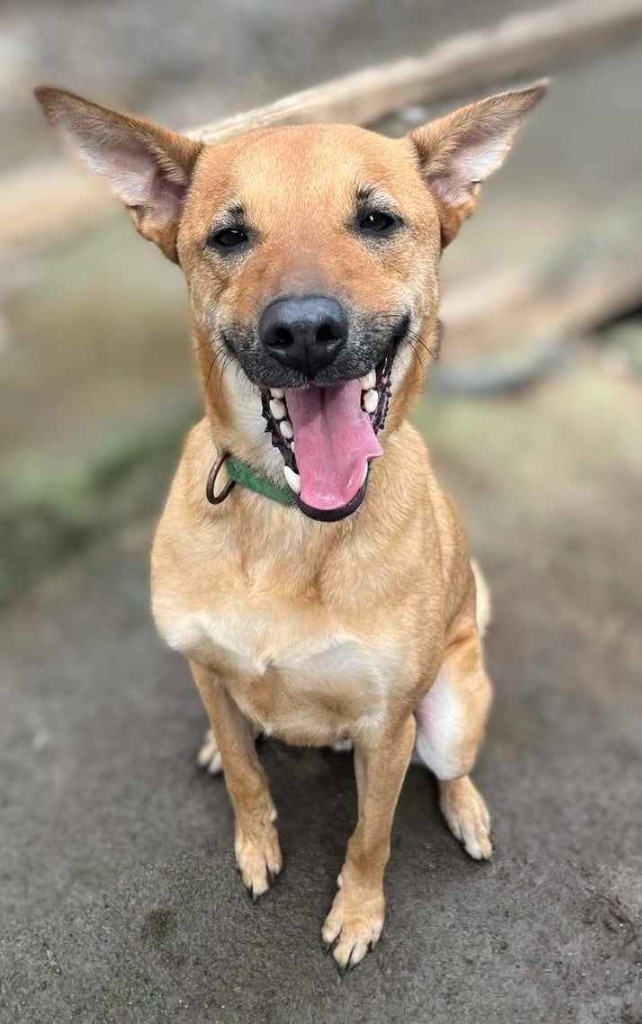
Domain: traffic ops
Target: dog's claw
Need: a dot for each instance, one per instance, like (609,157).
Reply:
(347,966)
(329,946)
(251,894)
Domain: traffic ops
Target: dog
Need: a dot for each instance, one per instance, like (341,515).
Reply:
(307,563)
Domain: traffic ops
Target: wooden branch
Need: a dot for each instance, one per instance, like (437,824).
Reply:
(515,323)
(40,203)
(525,44)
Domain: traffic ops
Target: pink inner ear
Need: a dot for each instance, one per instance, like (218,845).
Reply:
(470,166)
(138,175)
(132,172)
(461,150)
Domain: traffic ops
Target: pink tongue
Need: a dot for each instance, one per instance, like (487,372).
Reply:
(333,442)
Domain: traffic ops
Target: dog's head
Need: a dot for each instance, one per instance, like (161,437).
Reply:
(311,255)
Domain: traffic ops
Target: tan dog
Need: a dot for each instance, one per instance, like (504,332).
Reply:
(311,256)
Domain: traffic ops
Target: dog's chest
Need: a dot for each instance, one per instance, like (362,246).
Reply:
(299,672)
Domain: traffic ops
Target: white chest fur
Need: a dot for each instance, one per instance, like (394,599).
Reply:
(295,672)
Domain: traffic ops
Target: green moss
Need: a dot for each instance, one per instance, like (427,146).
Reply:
(50,514)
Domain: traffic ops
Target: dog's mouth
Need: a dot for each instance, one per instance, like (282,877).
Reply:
(327,437)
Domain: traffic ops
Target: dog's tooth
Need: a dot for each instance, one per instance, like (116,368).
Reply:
(277,408)
(369,381)
(286,430)
(293,479)
(370,400)
(277,392)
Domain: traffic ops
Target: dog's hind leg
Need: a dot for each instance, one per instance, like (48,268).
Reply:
(451,721)
(209,756)
(210,760)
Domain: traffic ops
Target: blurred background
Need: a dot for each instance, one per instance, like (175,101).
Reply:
(535,422)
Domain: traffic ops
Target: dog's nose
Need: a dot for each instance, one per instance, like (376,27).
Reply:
(304,333)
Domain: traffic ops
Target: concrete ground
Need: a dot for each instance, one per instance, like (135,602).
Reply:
(119,898)
(119,901)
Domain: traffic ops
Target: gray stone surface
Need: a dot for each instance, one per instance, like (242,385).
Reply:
(119,899)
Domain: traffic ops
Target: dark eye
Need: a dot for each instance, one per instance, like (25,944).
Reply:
(377,222)
(228,238)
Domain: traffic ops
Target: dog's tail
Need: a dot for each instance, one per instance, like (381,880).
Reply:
(484,604)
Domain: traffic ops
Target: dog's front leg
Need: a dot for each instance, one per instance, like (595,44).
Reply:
(256,841)
(355,921)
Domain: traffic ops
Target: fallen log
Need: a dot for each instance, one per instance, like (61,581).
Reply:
(524,44)
(507,328)
(38,203)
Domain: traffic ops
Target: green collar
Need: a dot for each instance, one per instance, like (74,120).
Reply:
(240,472)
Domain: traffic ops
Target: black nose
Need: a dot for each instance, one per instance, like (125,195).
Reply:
(305,333)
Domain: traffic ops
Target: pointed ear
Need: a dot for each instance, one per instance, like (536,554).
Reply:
(458,152)
(148,167)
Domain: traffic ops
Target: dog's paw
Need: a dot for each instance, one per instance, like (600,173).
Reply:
(353,927)
(209,756)
(341,746)
(259,860)
(466,814)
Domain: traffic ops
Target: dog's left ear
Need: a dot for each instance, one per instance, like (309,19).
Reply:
(148,167)
(458,152)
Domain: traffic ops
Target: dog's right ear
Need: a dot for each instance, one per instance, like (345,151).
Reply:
(148,167)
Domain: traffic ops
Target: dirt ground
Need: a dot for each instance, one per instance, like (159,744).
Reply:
(120,902)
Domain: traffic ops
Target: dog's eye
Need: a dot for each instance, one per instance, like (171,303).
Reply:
(228,238)
(377,222)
